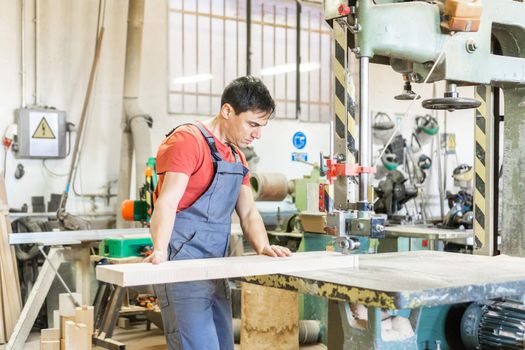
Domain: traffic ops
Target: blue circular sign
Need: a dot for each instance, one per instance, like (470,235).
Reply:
(299,140)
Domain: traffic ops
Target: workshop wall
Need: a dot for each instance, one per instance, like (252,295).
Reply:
(65,50)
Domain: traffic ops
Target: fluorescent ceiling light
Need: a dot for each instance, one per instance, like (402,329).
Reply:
(290,67)
(192,79)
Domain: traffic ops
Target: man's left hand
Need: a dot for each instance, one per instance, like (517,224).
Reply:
(275,251)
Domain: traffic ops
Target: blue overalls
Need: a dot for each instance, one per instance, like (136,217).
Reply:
(197,315)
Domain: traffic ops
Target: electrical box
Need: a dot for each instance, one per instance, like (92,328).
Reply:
(41,133)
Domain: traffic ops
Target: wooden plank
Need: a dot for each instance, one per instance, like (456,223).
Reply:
(85,315)
(84,272)
(55,238)
(50,344)
(63,321)
(3,337)
(83,337)
(206,269)
(270,318)
(35,300)
(10,297)
(50,334)
(71,340)
(78,236)
(66,306)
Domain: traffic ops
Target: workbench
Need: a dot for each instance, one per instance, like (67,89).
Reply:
(416,288)
(410,279)
(73,246)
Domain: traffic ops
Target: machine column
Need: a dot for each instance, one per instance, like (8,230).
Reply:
(484,200)
(512,235)
(365,152)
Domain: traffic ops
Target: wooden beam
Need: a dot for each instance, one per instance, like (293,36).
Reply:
(55,238)
(35,300)
(74,237)
(85,315)
(10,298)
(126,275)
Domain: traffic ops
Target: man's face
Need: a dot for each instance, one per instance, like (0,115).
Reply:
(245,127)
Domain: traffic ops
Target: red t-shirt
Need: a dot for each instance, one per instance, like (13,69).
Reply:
(186,151)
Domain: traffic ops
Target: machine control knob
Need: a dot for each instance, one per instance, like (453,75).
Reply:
(380,228)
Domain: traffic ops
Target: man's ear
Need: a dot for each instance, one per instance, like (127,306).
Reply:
(227,111)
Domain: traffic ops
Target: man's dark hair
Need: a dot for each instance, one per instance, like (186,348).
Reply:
(248,94)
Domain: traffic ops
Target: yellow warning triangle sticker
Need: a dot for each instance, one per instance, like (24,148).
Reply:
(43,131)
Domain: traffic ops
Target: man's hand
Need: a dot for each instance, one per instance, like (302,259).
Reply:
(275,251)
(157,257)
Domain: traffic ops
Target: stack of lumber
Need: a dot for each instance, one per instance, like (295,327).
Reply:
(10,300)
(73,327)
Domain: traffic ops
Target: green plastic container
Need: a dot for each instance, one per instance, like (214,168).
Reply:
(119,247)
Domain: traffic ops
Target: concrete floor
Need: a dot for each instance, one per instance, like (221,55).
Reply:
(137,338)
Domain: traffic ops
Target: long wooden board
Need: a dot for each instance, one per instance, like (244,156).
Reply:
(9,286)
(75,237)
(126,275)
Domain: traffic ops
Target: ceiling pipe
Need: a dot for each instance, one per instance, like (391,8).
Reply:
(135,123)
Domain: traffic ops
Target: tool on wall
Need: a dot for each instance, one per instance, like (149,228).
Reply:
(461,203)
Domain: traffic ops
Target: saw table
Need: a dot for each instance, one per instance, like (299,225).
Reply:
(410,279)
(418,289)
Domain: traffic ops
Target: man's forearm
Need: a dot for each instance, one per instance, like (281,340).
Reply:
(161,226)
(254,232)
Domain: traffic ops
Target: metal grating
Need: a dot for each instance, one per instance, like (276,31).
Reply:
(208,48)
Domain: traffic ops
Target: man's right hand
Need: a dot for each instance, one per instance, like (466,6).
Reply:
(157,257)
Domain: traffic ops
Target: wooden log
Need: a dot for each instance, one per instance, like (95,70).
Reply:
(126,275)
(270,318)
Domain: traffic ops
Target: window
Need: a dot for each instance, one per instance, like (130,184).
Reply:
(208,48)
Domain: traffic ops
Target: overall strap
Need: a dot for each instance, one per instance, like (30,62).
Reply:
(235,154)
(210,140)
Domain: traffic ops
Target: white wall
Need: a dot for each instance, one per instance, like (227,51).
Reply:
(65,51)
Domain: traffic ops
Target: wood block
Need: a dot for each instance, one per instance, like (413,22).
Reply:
(50,334)
(56,319)
(83,337)
(206,269)
(50,345)
(62,344)
(63,320)
(270,318)
(123,322)
(76,336)
(85,315)
(66,305)
(70,335)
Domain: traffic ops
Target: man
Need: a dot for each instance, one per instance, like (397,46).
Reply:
(202,178)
